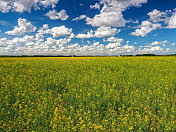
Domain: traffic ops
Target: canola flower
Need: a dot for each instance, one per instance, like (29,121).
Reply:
(88,94)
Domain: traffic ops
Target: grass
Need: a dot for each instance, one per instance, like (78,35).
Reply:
(88,94)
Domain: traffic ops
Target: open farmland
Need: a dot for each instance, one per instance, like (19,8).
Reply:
(88,94)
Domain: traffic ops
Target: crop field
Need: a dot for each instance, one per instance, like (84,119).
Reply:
(88,94)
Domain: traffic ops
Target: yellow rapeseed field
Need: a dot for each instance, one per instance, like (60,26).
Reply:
(88,94)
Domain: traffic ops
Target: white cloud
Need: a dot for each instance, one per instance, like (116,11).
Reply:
(80,18)
(44,29)
(156,49)
(96,6)
(172,21)
(88,35)
(72,35)
(34,45)
(16,44)
(107,19)
(114,39)
(55,31)
(39,37)
(47,3)
(23,40)
(60,31)
(159,43)
(173,44)
(132,21)
(4,6)
(23,27)
(113,45)
(50,42)
(145,28)
(168,17)
(54,15)
(88,42)
(105,32)
(45,26)
(101,32)
(111,13)
(25,5)
(3,42)
(156,15)
(116,49)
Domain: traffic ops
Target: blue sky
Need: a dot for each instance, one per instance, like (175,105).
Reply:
(87,27)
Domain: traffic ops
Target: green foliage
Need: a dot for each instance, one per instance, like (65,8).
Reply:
(88,94)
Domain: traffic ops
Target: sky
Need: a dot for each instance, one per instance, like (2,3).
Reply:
(87,27)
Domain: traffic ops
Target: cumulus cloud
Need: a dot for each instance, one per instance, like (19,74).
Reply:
(172,21)
(30,45)
(156,15)
(36,45)
(159,43)
(113,45)
(114,39)
(132,21)
(116,49)
(79,18)
(145,28)
(111,13)
(155,49)
(45,26)
(166,18)
(4,6)
(54,15)
(88,35)
(55,31)
(110,49)
(101,32)
(173,44)
(72,35)
(26,40)
(3,42)
(88,42)
(60,31)
(47,3)
(106,19)
(105,32)
(25,5)
(127,42)
(96,6)
(16,44)
(23,27)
